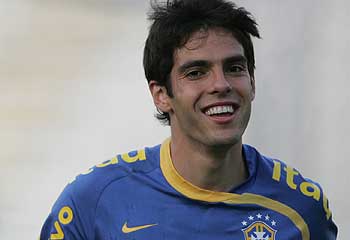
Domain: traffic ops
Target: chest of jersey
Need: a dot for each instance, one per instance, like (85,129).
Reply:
(156,215)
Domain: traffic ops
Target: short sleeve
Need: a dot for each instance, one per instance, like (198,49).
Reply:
(64,222)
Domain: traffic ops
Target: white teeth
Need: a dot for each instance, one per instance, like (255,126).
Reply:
(219,109)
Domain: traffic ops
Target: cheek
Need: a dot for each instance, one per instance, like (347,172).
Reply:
(185,109)
(245,90)
(189,95)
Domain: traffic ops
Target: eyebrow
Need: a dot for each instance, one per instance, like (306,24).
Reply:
(236,59)
(195,63)
(205,63)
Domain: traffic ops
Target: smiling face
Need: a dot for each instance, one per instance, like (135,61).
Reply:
(212,90)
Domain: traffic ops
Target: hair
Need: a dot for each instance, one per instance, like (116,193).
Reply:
(173,23)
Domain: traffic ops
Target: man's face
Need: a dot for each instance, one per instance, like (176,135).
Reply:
(212,89)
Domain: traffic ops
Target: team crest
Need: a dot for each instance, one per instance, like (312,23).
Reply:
(259,228)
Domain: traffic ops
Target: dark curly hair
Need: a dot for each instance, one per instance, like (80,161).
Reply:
(173,23)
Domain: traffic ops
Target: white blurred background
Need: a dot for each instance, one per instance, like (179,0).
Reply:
(73,94)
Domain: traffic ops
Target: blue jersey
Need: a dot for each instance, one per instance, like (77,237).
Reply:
(140,196)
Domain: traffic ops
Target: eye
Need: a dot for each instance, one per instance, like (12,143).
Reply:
(195,74)
(236,68)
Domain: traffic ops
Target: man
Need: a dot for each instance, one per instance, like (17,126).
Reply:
(202,182)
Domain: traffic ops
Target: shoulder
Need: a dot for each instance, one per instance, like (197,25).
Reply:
(283,176)
(292,180)
(285,184)
(94,180)
(74,211)
(293,183)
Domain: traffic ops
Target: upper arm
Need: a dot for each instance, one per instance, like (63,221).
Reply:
(64,222)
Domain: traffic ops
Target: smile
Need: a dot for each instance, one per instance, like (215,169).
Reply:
(221,112)
(218,110)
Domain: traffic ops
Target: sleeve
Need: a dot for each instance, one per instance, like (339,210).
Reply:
(73,216)
(322,226)
(332,231)
(64,222)
(330,228)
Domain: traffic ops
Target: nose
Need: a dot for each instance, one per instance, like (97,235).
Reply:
(219,82)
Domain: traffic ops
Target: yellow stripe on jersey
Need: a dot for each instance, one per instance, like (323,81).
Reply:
(194,192)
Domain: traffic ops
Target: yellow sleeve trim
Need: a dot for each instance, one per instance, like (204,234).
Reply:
(194,192)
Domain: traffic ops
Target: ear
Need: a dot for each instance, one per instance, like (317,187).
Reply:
(252,83)
(160,96)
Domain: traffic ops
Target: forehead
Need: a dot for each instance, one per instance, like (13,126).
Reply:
(211,45)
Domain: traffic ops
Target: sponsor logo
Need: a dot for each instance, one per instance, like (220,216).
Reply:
(126,229)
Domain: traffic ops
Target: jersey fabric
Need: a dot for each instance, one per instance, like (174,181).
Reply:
(141,196)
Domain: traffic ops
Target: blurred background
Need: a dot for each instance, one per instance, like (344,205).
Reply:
(73,94)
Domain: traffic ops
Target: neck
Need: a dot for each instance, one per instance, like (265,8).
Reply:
(215,168)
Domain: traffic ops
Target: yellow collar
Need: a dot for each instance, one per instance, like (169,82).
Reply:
(185,187)
(193,192)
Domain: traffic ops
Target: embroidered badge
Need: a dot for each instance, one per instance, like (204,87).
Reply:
(259,227)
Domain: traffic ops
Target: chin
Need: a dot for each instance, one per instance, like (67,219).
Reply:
(228,141)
